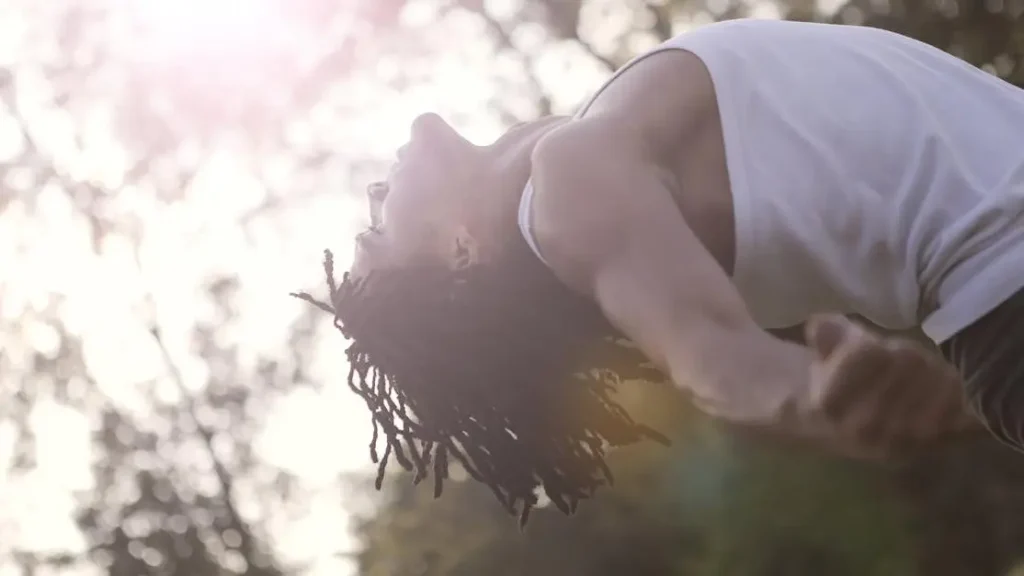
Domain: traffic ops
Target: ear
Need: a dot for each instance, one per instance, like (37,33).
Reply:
(465,250)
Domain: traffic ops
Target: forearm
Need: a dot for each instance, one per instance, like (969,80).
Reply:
(743,375)
(859,394)
(759,383)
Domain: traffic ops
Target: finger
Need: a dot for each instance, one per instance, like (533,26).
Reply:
(934,402)
(865,421)
(885,409)
(879,416)
(825,332)
(929,404)
(958,411)
(911,398)
(853,373)
(948,413)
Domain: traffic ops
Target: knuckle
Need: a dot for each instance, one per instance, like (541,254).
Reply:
(904,350)
(838,397)
(863,425)
(907,357)
(872,352)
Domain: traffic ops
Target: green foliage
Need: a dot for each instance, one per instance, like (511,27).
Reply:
(715,503)
(784,510)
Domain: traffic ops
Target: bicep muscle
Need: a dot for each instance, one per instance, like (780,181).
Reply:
(605,219)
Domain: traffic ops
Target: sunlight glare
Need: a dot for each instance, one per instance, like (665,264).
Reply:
(316,435)
(218,28)
(63,444)
(12,140)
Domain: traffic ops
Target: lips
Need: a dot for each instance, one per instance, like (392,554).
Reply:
(365,238)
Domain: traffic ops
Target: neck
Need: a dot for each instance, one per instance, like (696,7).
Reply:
(511,152)
(510,158)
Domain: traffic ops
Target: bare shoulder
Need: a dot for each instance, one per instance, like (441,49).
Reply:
(575,211)
(599,178)
(667,96)
(605,219)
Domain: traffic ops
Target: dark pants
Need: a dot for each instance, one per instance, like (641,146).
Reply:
(990,357)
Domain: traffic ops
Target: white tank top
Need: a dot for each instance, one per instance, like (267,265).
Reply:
(871,174)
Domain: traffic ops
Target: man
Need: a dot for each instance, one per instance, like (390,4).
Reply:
(746,176)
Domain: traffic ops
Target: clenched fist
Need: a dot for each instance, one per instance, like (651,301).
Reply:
(880,395)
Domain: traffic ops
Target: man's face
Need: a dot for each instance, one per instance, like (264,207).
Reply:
(417,212)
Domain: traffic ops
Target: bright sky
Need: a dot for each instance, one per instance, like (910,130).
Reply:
(317,436)
(314,435)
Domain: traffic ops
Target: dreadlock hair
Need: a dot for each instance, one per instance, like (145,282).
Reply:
(498,367)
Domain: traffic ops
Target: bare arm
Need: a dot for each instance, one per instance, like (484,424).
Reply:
(606,221)
(637,257)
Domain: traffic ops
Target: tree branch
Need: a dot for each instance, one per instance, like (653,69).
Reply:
(248,546)
(662,20)
(505,42)
(589,48)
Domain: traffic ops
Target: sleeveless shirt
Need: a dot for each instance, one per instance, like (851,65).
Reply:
(871,174)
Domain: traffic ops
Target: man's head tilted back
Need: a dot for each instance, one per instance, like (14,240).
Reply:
(463,345)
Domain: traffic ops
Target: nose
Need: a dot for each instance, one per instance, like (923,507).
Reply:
(427,124)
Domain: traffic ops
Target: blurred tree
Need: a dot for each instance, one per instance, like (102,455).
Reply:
(140,369)
(986,33)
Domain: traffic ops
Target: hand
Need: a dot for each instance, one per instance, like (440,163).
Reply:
(881,395)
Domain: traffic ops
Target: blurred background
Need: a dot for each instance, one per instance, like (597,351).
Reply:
(171,169)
